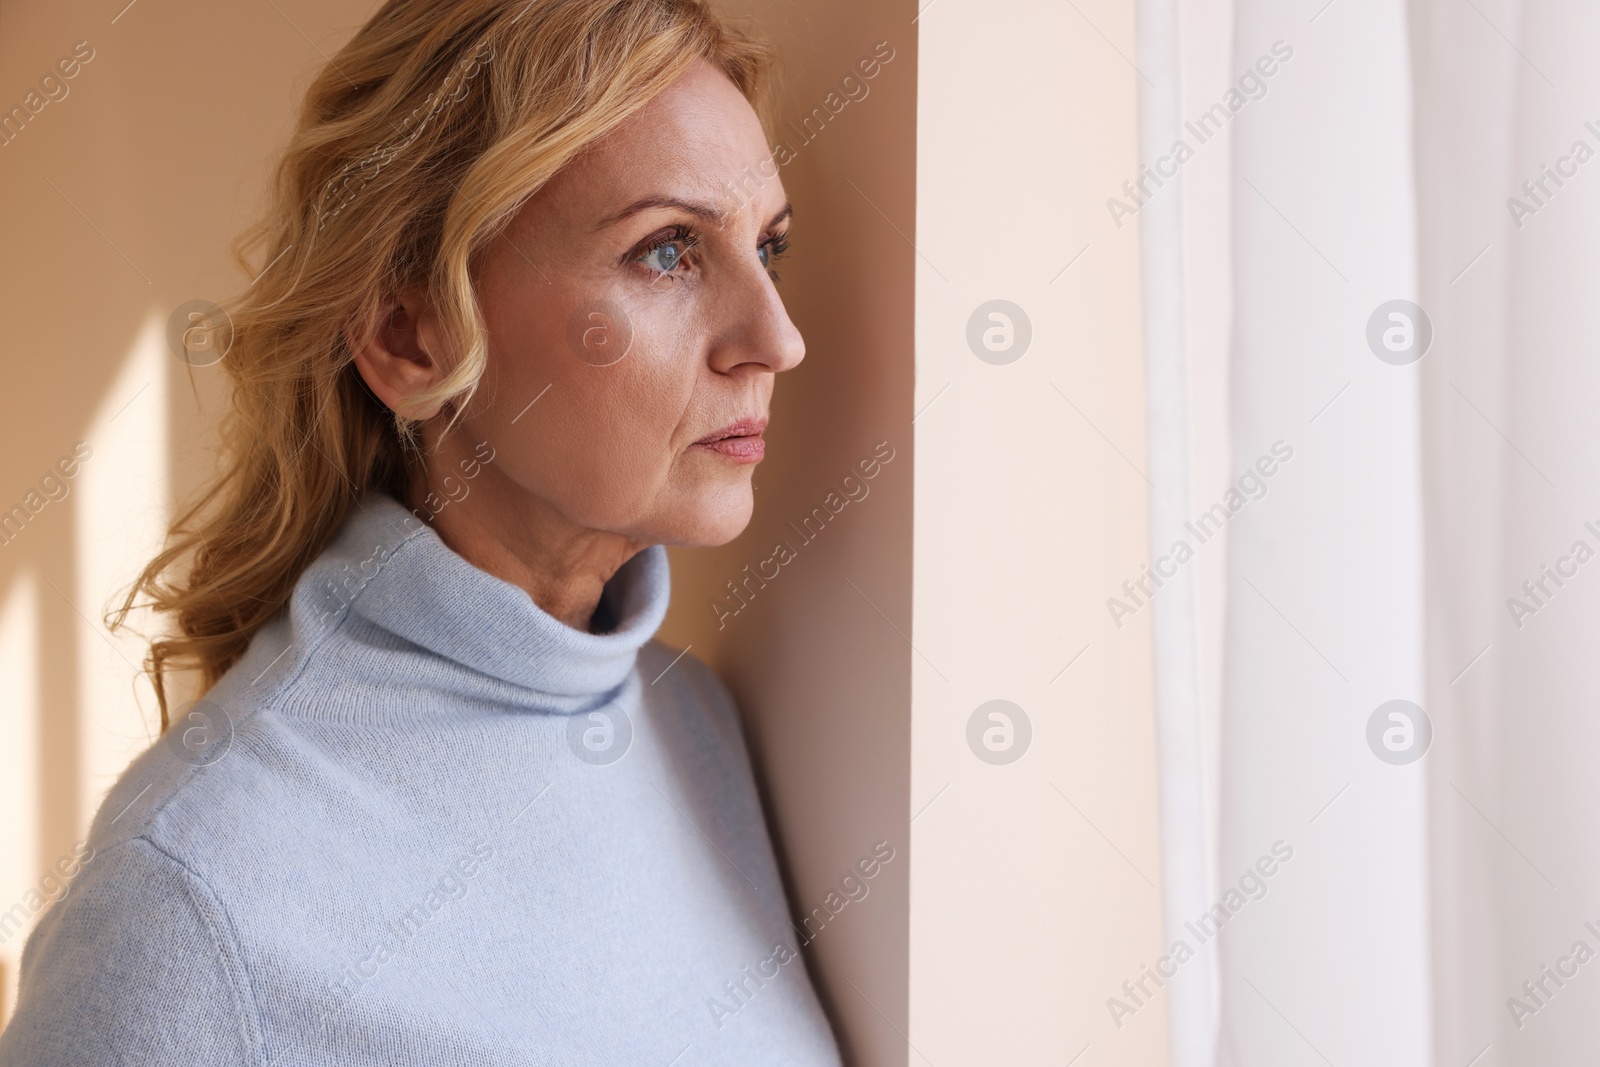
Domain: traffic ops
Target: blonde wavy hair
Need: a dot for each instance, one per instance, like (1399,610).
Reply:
(416,145)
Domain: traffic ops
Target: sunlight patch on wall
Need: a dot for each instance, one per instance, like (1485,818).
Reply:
(122,514)
(19,775)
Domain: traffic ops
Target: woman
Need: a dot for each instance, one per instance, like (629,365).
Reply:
(444,801)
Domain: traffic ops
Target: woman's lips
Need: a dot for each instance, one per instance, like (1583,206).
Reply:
(743,449)
(741,442)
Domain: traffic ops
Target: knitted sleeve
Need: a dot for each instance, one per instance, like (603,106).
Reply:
(136,965)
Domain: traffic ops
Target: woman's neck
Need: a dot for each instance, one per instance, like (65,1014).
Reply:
(504,530)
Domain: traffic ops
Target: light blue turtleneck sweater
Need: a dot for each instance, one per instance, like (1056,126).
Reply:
(424,822)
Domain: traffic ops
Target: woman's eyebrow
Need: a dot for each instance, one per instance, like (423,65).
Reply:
(783,213)
(699,209)
(696,208)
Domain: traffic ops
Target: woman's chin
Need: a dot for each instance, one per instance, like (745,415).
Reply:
(720,514)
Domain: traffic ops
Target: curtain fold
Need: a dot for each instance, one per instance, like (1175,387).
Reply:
(1298,487)
(1324,577)
(1182,758)
(1507,136)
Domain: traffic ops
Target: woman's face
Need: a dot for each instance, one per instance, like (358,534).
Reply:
(632,305)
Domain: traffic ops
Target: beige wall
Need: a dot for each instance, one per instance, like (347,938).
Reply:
(1033,883)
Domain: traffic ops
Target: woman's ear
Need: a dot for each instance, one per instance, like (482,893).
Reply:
(394,352)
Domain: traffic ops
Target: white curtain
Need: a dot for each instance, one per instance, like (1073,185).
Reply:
(1510,274)
(1325,615)
(1347,264)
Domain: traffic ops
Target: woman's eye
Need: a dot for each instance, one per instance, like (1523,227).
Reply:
(772,249)
(665,256)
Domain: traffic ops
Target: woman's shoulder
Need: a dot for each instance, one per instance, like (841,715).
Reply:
(222,765)
(678,674)
(142,949)
(135,962)
(701,702)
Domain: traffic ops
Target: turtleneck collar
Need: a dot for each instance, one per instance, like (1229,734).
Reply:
(392,570)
